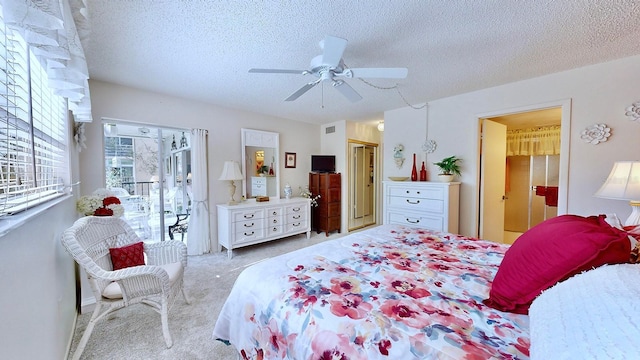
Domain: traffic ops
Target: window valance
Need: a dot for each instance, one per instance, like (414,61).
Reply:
(534,141)
(54,29)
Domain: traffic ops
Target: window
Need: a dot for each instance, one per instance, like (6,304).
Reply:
(33,133)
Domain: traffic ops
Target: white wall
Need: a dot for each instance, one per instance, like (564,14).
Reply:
(599,94)
(38,297)
(406,126)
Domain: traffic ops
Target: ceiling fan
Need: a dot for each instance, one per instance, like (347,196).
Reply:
(330,67)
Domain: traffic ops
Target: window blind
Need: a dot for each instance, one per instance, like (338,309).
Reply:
(33,141)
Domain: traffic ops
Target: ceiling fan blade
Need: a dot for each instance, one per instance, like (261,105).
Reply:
(302,90)
(332,50)
(347,90)
(277,71)
(387,73)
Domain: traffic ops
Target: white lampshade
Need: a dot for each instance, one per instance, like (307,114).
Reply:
(231,171)
(623,183)
(381,126)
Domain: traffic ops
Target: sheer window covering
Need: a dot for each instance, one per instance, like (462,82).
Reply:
(534,141)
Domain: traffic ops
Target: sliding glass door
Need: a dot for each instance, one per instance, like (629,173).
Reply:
(149,169)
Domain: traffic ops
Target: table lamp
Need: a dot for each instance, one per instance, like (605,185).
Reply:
(623,183)
(231,172)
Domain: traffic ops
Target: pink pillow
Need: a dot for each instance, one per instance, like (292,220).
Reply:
(552,251)
(127,256)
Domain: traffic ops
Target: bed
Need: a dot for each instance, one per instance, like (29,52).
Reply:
(390,292)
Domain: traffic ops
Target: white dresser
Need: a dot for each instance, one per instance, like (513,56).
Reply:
(431,205)
(252,222)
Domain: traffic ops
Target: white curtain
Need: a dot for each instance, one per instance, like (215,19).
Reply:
(198,241)
(54,30)
(534,141)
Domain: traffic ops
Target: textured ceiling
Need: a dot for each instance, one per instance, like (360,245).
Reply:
(203,49)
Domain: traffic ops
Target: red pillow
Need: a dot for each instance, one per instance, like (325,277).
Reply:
(127,256)
(552,251)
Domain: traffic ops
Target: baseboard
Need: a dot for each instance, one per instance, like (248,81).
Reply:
(87,305)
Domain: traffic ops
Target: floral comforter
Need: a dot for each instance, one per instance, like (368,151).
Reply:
(391,292)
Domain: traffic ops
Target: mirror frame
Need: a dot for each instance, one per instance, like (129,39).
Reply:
(265,139)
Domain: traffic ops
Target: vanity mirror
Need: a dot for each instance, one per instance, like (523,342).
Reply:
(260,163)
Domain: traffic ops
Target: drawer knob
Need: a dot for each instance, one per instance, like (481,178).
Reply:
(249,234)
(413,221)
(247,225)
(413,202)
(296,224)
(296,217)
(275,229)
(247,216)
(275,221)
(296,209)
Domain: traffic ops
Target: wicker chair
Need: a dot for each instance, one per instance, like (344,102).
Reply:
(156,284)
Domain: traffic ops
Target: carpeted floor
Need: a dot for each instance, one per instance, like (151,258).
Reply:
(135,332)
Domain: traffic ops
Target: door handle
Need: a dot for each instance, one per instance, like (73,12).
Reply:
(504,197)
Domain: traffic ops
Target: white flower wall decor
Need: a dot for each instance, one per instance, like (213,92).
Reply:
(596,134)
(633,111)
(398,156)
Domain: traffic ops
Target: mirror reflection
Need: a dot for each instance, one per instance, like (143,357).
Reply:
(261,175)
(260,163)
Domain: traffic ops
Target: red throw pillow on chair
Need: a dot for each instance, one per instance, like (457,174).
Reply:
(127,256)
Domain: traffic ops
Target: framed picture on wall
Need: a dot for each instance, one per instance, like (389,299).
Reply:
(289,160)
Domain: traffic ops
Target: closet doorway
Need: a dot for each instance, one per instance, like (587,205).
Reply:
(524,181)
(363,158)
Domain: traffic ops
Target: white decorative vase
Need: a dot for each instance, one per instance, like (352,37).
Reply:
(287,191)
(445,178)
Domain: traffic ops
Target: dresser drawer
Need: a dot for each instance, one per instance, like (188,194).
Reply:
(242,226)
(428,222)
(248,215)
(417,204)
(274,230)
(296,226)
(248,235)
(422,193)
(296,209)
(275,211)
(330,195)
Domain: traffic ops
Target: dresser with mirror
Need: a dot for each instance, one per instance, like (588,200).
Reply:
(253,222)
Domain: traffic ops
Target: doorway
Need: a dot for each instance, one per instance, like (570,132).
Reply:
(149,170)
(363,158)
(515,199)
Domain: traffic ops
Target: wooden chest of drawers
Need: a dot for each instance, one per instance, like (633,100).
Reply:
(326,216)
(431,205)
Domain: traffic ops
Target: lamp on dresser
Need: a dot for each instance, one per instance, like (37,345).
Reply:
(231,172)
(623,183)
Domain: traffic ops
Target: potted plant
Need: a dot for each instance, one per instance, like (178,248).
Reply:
(263,170)
(448,168)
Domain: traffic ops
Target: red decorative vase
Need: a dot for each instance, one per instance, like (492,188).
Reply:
(414,171)
(423,173)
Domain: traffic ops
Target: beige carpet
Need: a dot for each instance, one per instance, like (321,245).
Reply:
(136,333)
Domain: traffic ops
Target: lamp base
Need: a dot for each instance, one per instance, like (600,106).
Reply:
(232,192)
(634,218)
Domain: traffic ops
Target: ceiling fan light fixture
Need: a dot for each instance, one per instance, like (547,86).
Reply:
(381,126)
